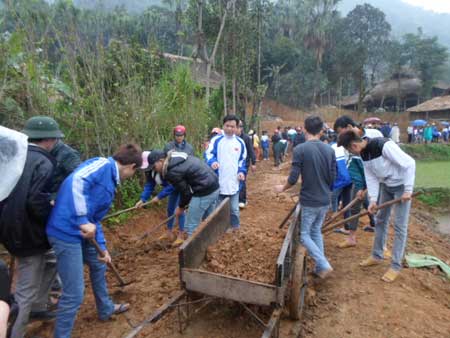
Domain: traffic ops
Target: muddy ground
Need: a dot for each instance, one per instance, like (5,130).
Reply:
(354,302)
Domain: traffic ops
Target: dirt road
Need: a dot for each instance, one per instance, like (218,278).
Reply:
(353,303)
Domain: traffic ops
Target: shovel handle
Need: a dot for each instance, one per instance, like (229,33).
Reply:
(363,213)
(110,264)
(342,211)
(114,214)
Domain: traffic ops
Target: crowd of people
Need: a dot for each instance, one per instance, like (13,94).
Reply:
(51,215)
(429,133)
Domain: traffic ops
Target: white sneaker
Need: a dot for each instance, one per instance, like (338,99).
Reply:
(241,205)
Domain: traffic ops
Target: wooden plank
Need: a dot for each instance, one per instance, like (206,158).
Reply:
(285,248)
(273,322)
(155,316)
(193,250)
(226,287)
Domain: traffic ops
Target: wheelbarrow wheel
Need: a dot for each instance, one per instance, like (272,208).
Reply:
(298,284)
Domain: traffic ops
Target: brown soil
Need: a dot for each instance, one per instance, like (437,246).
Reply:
(354,302)
(251,252)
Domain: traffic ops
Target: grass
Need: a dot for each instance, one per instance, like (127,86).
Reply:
(433,174)
(430,152)
(434,178)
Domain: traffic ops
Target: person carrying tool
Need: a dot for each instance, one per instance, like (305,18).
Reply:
(345,123)
(179,143)
(22,224)
(153,179)
(390,174)
(197,183)
(315,162)
(227,155)
(83,200)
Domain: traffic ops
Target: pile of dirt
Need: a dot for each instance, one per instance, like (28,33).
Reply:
(251,253)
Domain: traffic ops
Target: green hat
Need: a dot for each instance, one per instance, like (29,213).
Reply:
(39,127)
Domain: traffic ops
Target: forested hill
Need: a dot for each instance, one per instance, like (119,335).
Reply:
(130,5)
(405,18)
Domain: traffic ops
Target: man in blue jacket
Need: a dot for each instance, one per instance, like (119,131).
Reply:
(83,200)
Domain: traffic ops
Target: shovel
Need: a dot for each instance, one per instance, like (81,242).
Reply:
(101,253)
(363,213)
(120,212)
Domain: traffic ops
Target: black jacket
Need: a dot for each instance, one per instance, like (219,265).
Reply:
(190,176)
(24,213)
(67,160)
(251,157)
(185,147)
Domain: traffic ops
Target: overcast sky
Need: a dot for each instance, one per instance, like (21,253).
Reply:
(441,6)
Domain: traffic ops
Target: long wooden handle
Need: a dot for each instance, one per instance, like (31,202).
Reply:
(363,213)
(120,212)
(152,230)
(110,264)
(342,211)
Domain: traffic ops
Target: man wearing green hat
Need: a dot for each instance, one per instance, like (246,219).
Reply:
(23,218)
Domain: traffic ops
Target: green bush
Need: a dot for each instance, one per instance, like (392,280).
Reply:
(432,152)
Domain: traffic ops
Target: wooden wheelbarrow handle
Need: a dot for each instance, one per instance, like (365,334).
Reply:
(363,213)
(110,264)
(288,216)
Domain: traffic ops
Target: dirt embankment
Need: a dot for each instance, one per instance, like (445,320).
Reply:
(354,302)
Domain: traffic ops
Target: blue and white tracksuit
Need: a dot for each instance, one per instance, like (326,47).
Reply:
(231,154)
(84,197)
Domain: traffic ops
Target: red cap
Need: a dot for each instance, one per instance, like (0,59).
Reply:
(179,130)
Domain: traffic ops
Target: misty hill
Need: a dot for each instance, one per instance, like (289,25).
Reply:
(405,18)
(130,5)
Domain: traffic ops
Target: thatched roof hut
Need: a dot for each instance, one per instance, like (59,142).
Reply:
(349,102)
(402,87)
(198,70)
(437,108)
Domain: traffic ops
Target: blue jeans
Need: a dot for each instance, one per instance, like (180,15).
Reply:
(234,209)
(174,199)
(400,225)
(311,235)
(199,208)
(265,153)
(70,260)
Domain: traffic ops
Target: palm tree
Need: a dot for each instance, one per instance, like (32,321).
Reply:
(318,17)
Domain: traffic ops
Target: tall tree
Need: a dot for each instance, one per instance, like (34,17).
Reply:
(318,18)
(365,38)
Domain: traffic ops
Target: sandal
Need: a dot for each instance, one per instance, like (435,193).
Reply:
(341,231)
(121,308)
(390,276)
(369,228)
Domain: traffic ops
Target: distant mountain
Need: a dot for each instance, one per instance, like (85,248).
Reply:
(131,5)
(405,18)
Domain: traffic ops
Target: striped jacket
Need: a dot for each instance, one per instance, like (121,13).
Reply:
(84,197)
